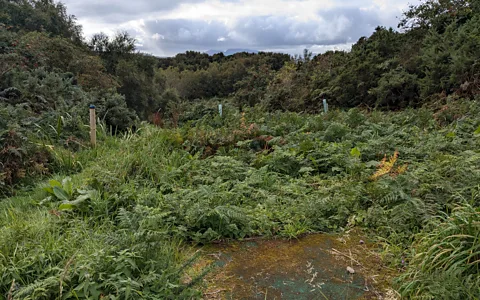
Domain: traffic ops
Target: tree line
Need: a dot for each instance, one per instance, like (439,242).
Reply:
(433,54)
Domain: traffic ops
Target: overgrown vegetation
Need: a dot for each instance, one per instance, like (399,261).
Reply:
(120,220)
(246,175)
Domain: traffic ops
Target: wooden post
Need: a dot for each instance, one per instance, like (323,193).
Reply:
(93,126)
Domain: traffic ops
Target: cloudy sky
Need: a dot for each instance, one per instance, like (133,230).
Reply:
(167,27)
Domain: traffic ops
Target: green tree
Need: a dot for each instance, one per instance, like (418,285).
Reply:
(364,69)
(450,61)
(437,14)
(112,50)
(40,15)
(396,89)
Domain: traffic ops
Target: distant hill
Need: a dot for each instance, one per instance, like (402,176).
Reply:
(230,51)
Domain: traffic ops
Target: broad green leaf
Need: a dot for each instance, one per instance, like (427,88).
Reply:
(68,185)
(451,134)
(80,199)
(54,183)
(477,132)
(66,206)
(60,193)
(48,189)
(355,152)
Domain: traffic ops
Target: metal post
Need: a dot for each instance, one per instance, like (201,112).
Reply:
(325,105)
(93,126)
(220,110)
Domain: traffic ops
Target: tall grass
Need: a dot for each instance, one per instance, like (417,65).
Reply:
(446,263)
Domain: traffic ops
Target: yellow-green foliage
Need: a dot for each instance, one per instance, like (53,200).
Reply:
(388,167)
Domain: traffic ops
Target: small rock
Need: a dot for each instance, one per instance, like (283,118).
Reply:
(350,270)
(362,242)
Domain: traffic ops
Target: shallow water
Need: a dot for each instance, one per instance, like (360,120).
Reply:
(308,268)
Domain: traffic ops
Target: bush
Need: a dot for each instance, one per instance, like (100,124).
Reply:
(335,132)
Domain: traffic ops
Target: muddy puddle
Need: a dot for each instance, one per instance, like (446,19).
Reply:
(312,267)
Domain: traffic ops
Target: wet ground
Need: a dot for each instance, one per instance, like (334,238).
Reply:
(313,267)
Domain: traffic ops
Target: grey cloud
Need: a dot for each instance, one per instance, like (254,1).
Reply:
(173,36)
(338,26)
(115,11)
(194,32)
(334,26)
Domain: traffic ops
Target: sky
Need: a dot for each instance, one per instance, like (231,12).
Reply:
(168,27)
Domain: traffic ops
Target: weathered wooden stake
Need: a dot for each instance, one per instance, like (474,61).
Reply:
(93,126)
(220,110)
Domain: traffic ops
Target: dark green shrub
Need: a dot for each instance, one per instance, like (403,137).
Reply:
(335,132)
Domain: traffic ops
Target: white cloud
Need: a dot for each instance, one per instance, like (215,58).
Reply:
(165,27)
(157,37)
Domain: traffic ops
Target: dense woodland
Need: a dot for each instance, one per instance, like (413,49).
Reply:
(397,155)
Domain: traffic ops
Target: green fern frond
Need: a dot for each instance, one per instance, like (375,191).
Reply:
(37,289)
(231,213)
